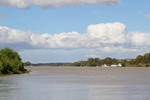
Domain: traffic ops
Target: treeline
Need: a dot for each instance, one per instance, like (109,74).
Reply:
(28,63)
(96,62)
(142,60)
(10,62)
(46,64)
(139,61)
(49,64)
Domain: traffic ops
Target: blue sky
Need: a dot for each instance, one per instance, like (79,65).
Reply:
(67,31)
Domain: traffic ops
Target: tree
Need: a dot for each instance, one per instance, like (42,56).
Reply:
(132,62)
(108,61)
(76,64)
(10,62)
(139,59)
(147,58)
(27,63)
(114,61)
(123,62)
(93,61)
(83,63)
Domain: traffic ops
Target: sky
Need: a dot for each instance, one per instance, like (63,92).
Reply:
(45,31)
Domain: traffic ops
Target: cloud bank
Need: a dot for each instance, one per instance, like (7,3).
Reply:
(106,37)
(54,3)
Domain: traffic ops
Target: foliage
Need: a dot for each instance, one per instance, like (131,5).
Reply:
(143,60)
(123,62)
(93,62)
(147,65)
(76,64)
(10,62)
(27,63)
(139,61)
(109,61)
(146,58)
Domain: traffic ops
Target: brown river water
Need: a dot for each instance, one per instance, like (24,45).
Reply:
(77,83)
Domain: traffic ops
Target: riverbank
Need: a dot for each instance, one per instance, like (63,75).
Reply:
(79,67)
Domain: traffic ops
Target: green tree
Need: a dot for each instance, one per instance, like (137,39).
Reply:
(139,59)
(123,62)
(10,62)
(27,63)
(114,61)
(108,61)
(76,64)
(93,61)
(147,58)
(132,62)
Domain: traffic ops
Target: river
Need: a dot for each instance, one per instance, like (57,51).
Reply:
(77,83)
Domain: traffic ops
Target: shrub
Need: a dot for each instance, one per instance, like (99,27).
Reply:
(10,62)
(147,65)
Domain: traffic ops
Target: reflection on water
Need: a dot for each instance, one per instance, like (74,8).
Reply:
(49,83)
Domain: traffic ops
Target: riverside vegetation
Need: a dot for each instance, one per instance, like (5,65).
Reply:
(139,61)
(10,62)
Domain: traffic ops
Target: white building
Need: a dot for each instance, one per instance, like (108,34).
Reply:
(113,65)
(118,65)
(105,65)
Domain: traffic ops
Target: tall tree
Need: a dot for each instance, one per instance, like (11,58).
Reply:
(139,59)
(10,62)
(147,58)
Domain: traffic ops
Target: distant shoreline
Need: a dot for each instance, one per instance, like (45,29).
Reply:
(90,67)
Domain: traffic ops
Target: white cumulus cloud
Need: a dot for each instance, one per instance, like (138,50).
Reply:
(8,35)
(111,49)
(107,33)
(139,38)
(108,37)
(54,3)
